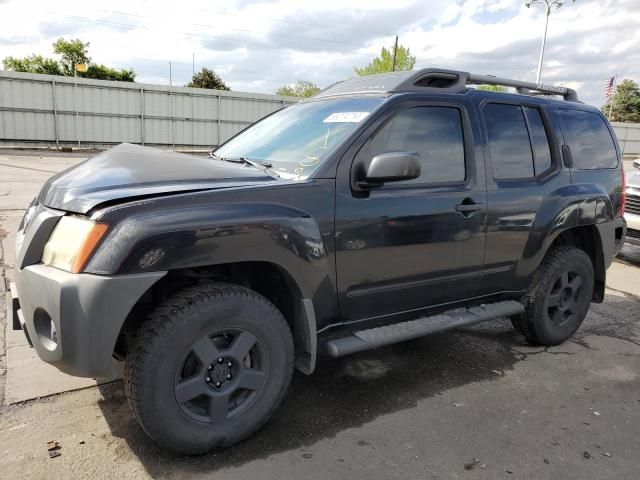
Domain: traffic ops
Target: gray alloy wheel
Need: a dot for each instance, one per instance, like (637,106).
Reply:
(221,375)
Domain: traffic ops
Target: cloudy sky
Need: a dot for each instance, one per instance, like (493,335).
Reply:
(257,45)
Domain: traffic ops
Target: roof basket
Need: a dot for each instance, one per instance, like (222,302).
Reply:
(441,80)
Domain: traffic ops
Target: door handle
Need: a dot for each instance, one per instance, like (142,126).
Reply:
(467,207)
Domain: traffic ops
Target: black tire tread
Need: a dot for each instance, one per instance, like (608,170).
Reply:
(525,322)
(171,312)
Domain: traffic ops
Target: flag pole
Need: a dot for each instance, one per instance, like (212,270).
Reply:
(615,78)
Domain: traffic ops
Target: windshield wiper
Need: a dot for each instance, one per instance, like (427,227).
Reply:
(265,167)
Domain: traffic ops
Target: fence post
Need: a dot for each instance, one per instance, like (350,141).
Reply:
(192,123)
(75,104)
(218,144)
(142,117)
(55,113)
(173,130)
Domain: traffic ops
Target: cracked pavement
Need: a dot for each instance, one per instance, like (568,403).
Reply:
(473,403)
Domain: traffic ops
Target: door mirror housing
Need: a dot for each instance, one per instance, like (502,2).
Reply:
(391,167)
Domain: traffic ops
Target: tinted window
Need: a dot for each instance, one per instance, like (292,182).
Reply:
(508,142)
(434,132)
(590,141)
(539,141)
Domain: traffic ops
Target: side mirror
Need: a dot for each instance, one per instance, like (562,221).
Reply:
(636,163)
(391,167)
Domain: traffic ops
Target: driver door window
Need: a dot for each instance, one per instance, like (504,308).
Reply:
(435,133)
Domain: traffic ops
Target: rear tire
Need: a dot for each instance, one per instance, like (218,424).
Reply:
(210,365)
(559,297)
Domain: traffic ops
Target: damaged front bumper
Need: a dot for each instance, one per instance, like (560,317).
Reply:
(73,320)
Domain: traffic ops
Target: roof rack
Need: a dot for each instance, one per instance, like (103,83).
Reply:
(441,80)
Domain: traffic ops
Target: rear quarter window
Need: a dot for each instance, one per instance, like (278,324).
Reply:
(591,144)
(539,141)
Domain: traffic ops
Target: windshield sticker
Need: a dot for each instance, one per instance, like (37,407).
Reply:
(343,117)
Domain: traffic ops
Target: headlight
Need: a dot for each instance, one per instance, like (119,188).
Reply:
(28,216)
(72,242)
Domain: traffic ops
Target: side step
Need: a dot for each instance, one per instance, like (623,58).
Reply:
(399,332)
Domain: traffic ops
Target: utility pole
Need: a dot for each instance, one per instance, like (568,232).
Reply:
(615,78)
(193,64)
(395,51)
(549,5)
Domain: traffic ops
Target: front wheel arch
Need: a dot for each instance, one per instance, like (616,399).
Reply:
(261,277)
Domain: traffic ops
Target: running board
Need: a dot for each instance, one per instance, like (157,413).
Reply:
(399,332)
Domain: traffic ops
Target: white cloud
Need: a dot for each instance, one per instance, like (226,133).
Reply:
(259,45)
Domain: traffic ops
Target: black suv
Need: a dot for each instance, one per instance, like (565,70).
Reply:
(382,209)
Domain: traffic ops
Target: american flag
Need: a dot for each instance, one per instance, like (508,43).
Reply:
(608,86)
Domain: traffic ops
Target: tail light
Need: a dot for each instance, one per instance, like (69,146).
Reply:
(624,193)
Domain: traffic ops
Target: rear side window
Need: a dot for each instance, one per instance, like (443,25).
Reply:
(591,143)
(511,155)
(435,133)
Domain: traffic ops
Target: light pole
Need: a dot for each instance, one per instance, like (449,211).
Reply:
(549,6)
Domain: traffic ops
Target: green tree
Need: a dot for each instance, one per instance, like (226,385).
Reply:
(493,88)
(72,52)
(384,63)
(626,103)
(102,72)
(302,88)
(33,64)
(206,78)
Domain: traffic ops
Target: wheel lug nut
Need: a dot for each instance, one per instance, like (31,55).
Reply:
(208,379)
(220,360)
(218,384)
(210,367)
(229,364)
(228,376)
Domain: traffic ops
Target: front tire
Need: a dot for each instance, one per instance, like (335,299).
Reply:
(209,367)
(559,297)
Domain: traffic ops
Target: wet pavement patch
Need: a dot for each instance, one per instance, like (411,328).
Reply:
(350,392)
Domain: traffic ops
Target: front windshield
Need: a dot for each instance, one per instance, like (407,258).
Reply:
(297,139)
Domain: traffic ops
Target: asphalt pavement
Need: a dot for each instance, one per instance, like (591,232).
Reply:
(472,403)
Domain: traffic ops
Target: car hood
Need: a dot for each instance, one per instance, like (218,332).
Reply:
(128,171)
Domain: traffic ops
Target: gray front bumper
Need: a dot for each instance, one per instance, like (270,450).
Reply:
(73,320)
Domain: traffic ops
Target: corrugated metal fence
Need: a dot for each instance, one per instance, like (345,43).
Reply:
(47,110)
(628,137)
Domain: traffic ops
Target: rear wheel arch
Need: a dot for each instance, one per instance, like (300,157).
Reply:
(558,298)
(588,239)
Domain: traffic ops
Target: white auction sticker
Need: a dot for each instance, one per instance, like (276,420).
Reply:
(342,117)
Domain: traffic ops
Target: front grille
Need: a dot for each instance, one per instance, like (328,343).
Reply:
(633,233)
(633,204)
